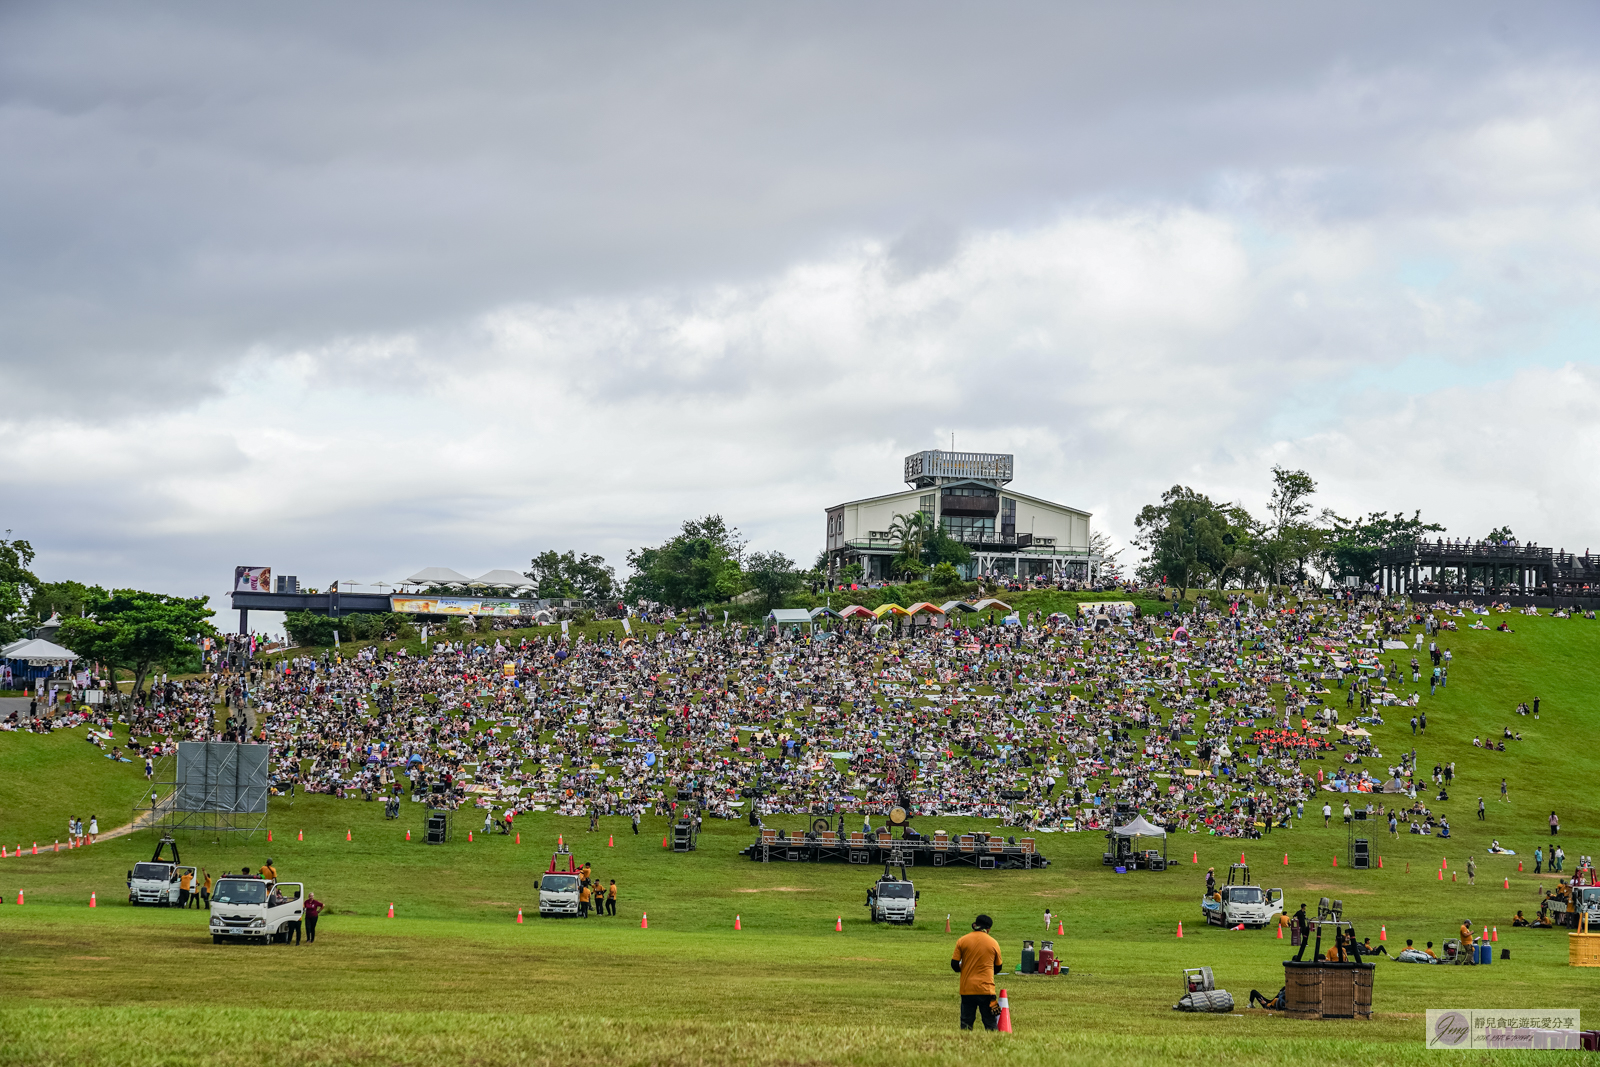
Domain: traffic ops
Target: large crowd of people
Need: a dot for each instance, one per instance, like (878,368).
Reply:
(1227,720)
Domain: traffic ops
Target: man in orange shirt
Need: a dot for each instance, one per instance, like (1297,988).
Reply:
(977,960)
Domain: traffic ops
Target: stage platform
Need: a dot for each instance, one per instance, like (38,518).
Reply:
(985,852)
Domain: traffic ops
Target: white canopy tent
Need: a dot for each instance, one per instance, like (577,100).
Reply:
(437,576)
(1124,845)
(38,652)
(506,579)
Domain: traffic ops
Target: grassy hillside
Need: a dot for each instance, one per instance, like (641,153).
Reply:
(453,978)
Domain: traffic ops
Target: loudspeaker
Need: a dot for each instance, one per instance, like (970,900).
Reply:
(1361,859)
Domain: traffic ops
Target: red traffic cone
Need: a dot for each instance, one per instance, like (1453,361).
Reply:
(1061,929)
(391,909)
(838,924)
(644,921)
(1280,931)
(1444,863)
(19,897)
(1239,927)
(1519,865)
(1380,863)
(1195,858)
(347,835)
(302,835)
(519,837)
(663,840)
(1180,929)
(36,848)
(269,837)
(1440,874)
(58,844)
(611,841)
(1383,933)
(947,922)
(736,925)
(560,843)
(1005,1013)
(92,904)
(408,835)
(519,915)
(1336,861)
(1241,857)
(1494,934)
(1286,859)
(469,837)
(1452,876)
(1507,885)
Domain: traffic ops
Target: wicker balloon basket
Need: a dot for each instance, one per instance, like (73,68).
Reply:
(1583,947)
(1319,990)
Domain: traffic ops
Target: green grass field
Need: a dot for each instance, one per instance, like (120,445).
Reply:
(453,979)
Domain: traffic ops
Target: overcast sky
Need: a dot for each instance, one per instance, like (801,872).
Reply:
(352,291)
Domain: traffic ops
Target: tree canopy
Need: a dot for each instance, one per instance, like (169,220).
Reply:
(139,631)
(772,574)
(700,565)
(17,585)
(569,576)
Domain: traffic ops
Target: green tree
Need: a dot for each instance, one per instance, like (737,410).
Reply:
(772,574)
(701,565)
(308,629)
(1500,534)
(61,598)
(569,576)
(909,531)
(17,585)
(1285,539)
(1353,544)
(1182,537)
(139,632)
(939,547)
(945,576)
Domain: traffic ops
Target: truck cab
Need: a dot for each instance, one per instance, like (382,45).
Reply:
(157,883)
(249,909)
(893,900)
(1240,901)
(558,894)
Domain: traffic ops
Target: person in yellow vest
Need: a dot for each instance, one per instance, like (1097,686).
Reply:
(1466,940)
(185,888)
(611,898)
(268,872)
(977,960)
(205,891)
(583,899)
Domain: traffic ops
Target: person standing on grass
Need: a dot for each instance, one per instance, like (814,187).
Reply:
(1555,824)
(1538,859)
(635,822)
(1327,814)
(1480,809)
(94,828)
(1503,791)
(313,909)
(583,899)
(976,959)
(1472,871)
(611,898)
(205,889)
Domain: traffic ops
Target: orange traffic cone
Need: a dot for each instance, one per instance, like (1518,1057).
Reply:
(391,909)
(1452,876)
(663,840)
(1061,929)
(1519,866)
(947,922)
(1494,934)
(1380,863)
(1440,874)
(347,835)
(1336,861)
(519,837)
(92,904)
(736,925)
(302,835)
(838,924)
(519,915)
(1005,1013)
(408,835)
(1195,858)
(19,898)
(1180,929)
(1241,857)
(1507,885)
(560,843)
(58,844)
(469,837)
(1444,863)
(36,848)
(1383,933)
(1286,859)
(644,921)
(1280,931)
(269,837)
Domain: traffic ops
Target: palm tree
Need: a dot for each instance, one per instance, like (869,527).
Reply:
(910,531)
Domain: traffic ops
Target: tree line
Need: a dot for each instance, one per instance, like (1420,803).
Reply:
(1192,541)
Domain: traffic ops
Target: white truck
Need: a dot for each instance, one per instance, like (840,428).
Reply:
(249,909)
(558,894)
(893,900)
(1241,901)
(159,882)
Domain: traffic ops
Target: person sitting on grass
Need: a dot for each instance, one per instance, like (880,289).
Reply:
(1520,919)
(1369,949)
(1259,999)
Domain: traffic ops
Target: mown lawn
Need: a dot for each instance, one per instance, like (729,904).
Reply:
(454,979)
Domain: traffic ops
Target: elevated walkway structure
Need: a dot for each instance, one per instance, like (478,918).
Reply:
(983,851)
(1438,569)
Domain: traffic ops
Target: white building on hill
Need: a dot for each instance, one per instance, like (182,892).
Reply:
(965,495)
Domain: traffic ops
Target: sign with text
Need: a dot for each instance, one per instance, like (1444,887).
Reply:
(444,605)
(1523,1028)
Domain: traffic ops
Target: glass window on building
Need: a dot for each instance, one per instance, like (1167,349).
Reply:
(967,527)
(927,504)
(1008,517)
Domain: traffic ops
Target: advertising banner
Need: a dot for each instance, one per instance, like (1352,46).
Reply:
(1523,1028)
(252,579)
(447,605)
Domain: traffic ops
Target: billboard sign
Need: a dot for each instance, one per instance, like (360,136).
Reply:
(447,605)
(252,579)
